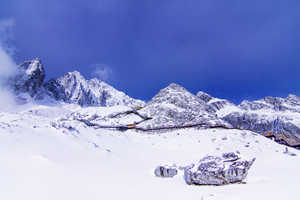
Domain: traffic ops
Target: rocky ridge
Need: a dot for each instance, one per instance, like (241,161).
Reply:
(70,88)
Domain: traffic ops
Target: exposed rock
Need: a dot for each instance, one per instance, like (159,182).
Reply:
(55,90)
(166,171)
(214,103)
(218,170)
(287,152)
(204,96)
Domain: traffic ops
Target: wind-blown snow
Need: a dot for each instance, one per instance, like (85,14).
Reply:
(42,161)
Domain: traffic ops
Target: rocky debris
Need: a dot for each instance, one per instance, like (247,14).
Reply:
(166,171)
(218,170)
(287,152)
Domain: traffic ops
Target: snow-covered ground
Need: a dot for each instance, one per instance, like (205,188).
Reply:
(42,161)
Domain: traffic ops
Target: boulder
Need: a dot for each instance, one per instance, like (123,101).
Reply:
(165,171)
(218,170)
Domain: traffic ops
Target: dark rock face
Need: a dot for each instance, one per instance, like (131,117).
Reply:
(55,90)
(204,96)
(218,170)
(165,171)
(30,79)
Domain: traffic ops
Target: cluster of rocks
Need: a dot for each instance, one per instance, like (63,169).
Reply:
(211,170)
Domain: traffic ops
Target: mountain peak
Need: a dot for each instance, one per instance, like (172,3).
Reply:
(176,87)
(30,78)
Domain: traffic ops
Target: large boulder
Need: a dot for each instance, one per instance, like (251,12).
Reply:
(218,170)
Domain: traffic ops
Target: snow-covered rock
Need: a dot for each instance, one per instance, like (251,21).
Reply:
(166,171)
(218,170)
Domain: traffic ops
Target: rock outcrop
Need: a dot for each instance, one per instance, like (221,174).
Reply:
(218,170)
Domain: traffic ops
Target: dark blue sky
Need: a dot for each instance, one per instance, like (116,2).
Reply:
(236,50)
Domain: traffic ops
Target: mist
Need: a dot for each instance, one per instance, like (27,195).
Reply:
(8,68)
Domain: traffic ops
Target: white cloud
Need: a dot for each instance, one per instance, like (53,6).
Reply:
(102,71)
(8,68)
(6,27)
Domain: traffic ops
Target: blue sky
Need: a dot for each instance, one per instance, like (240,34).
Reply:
(230,49)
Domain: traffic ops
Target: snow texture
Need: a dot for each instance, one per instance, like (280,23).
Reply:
(42,158)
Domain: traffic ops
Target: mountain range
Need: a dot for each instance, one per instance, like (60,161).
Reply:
(77,139)
(70,88)
(173,106)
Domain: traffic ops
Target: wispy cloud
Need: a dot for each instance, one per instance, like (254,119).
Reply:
(6,34)
(102,71)
(8,68)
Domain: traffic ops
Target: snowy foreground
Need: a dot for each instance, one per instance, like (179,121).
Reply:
(40,161)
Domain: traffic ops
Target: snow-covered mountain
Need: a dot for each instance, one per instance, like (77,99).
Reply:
(70,88)
(273,115)
(172,106)
(175,106)
(29,81)
(76,147)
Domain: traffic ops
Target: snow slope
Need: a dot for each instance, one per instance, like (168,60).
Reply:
(42,161)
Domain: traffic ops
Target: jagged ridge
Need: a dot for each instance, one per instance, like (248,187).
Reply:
(70,88)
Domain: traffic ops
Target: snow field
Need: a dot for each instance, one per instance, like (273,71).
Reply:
(39,161)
